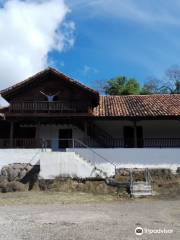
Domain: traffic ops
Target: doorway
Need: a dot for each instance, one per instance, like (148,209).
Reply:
(129,137)
(140,141)
(65,138)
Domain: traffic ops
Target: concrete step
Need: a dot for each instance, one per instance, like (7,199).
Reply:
(67,164)
(141,189)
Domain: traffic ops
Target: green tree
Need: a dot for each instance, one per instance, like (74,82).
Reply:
(132,87)
(150,87)
(122,85)
(115,86)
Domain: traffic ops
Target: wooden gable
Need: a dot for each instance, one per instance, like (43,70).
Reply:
(50,82)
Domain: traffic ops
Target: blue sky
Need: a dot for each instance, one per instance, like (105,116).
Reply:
(88,40)
(133,38)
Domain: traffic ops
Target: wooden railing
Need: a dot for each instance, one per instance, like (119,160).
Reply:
(20,143)
(161,142)
(67,143)
(102,137)
(44,106)
(42,143)
(116,143)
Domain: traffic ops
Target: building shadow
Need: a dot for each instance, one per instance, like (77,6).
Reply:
(31,177)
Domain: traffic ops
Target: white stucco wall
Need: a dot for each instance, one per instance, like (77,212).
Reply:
(52,131)
(151,128)
(114,128)
(67,164)
(134,157)
(70,164)
(9,156)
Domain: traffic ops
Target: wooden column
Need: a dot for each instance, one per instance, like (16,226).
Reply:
(37,133)
(85,128)
(135,134)
(11,133)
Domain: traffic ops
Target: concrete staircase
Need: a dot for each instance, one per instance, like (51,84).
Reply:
(141,188)
(68,164)
(79,164)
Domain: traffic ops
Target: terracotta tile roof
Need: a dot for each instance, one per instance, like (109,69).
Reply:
(139,106)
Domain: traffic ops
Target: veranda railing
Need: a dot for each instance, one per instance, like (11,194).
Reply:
(115,143)
(44,106)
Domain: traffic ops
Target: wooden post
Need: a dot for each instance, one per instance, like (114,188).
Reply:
(11,133)
(37,133)
(85,128)
(135,134)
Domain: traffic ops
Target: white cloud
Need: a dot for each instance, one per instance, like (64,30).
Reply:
(87,70)
(146,12)
(29,30)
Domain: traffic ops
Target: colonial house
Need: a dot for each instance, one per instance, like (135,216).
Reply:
(54,113)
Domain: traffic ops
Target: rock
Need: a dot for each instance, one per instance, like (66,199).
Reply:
(12,173)
(12,187)
(16,171)
(43,185)
(17,165)
(28,167)
(4,172)
(17,176)
(122,172)
(3,184)
(3,178)
(22,173)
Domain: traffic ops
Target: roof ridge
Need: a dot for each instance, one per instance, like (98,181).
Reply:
(147,95)
(31,78)
(22,82)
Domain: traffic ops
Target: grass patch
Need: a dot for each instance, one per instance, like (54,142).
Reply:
(28,198)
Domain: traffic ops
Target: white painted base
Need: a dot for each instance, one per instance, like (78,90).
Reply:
(69,164)
(168,158)
(77,165)
(10,156)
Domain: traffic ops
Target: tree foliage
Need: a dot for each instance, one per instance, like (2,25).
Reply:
(150,87)
(170,84)
(122,85)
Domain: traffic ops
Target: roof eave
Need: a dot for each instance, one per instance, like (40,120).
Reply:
(5,93)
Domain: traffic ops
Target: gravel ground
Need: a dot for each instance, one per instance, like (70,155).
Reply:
(92,221)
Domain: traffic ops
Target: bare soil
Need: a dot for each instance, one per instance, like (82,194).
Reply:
(79,216)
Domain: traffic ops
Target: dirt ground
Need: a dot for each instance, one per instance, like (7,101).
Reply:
(79,216)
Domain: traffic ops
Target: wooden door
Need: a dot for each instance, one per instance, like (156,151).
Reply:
(139,132)
(65,138)
(128,137)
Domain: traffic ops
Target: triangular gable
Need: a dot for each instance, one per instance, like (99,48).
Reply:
(8,92)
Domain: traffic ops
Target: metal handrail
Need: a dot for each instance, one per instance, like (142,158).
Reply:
(34,156)
(147,175)
(73,140)
(99,155)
